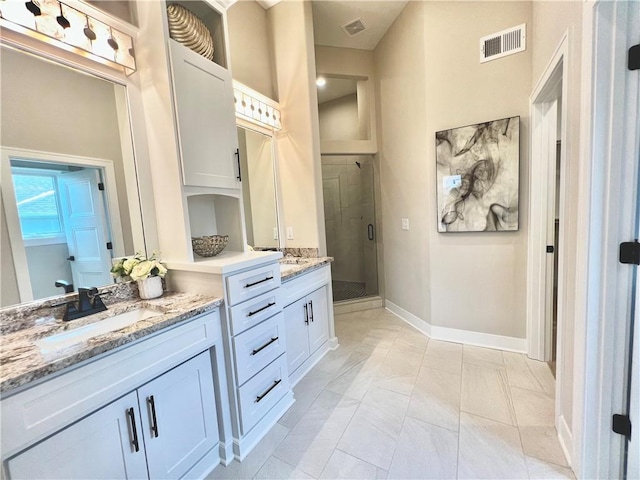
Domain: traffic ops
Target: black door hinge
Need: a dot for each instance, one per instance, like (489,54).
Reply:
(109,246)
(621,425)
(101,186)
(634,57)
(550,249)
(630,253)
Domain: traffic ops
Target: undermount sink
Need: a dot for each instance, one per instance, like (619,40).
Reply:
(76,335)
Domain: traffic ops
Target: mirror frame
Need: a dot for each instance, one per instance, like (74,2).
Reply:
(144,232)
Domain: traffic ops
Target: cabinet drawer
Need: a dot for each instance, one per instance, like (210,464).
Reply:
(254,311)
(262,392)
(258,347)
(246,285)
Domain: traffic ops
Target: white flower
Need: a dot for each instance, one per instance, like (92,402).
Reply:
(142,270)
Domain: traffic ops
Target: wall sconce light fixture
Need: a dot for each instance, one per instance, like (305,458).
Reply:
(71,29)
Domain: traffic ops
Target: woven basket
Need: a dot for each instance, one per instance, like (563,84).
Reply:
(209,246)
(186,28)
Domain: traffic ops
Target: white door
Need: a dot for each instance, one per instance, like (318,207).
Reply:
(99,446)
(319,319)
(296,333)
(86,227)
(206,120)
(179,418)
(551,118)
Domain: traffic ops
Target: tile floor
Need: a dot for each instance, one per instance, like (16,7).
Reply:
(390,403)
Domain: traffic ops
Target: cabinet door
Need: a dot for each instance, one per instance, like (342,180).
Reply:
(296,333)
(179,417)
(203,95)
(318,318)
(98,446)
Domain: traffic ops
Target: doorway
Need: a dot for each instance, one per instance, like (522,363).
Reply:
(349,212)
(58,213)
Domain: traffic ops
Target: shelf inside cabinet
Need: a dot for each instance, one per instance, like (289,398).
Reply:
(215,214)
(213,20)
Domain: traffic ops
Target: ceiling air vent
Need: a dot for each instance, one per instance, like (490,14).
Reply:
(353,27)
(501,44)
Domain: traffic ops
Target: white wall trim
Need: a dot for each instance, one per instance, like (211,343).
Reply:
(467,337)
(565,437)
(545,92)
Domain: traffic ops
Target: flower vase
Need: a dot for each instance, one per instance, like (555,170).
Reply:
(150,287)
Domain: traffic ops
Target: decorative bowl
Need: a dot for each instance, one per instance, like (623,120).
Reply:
(209,245)
(186,28)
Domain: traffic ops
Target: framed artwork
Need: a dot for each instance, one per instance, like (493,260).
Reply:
(477,171)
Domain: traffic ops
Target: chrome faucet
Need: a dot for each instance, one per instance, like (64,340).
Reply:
(89,302)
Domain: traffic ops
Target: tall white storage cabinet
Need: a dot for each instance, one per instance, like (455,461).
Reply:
(190,119)
(203,94)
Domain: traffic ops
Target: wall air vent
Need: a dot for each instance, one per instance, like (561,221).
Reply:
(501,44)
(353,27)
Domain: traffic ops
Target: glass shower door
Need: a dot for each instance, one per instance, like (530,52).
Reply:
(349,209)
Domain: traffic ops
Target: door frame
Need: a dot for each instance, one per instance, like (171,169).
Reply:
(11,210)
(610,139)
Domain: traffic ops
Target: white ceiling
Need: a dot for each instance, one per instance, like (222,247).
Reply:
(330,15)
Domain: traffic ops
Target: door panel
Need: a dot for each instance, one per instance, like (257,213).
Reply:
(185,417)
(97,447)
(86,227)
(297,335)
(319,315)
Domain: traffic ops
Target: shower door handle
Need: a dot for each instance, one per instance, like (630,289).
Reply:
(370,231)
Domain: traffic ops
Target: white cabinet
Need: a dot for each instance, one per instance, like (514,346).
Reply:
(98,446)
(256,343)
(167,426)
(203,94)
(308,317)
(178,415)
(306,327)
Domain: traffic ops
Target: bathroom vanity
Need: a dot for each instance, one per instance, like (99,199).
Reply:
(138,401)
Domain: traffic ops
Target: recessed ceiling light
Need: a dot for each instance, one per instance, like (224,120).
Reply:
(321,81)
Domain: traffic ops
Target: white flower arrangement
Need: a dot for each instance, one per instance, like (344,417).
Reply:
(139,267)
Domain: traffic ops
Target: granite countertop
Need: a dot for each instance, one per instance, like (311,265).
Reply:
(22,361)
(291,267)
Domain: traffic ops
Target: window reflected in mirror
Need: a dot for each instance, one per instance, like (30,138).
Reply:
(258,189)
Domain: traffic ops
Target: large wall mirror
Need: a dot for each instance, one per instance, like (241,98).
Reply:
(70,198)
(259,192)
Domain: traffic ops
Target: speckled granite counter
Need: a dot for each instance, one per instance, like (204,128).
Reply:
(291,267)
(22,361)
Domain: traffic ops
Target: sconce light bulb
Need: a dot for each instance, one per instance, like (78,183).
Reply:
(62,20)
(321,81)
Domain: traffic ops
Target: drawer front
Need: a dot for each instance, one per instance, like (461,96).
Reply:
(251,313)
(262,392)
(258,347)
(246,285)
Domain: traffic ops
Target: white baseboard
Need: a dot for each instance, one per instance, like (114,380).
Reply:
(467,337)
(565,437)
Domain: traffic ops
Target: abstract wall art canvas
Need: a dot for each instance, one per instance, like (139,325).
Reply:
(477,177)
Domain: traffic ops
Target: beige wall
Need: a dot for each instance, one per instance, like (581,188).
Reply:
(263,195)
(298,143)
(339,119)
(250,47)
(551,20)
(429,79)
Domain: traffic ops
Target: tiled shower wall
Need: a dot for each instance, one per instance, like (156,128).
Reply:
(348,210)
